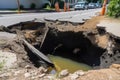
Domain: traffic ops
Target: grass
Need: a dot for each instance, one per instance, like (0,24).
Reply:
(2,65)
(49,8)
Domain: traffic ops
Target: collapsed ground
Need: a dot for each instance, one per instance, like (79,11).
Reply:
(84,43)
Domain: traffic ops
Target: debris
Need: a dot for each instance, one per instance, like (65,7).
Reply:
(28,67)
(80,72)
(74,76)
(44,37)
(116,66)
(7,60)
(38,53)
(27,75)
(41,75)
(64,73)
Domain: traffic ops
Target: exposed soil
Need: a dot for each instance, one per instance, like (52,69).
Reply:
(84,43)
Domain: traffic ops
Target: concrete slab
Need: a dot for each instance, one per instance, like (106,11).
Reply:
(76,20)
(111,26)
(5,35)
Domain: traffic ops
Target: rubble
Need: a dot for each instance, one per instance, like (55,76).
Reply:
(63,73)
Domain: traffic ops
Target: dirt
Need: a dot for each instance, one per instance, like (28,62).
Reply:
(111,73)
(87,38)
(88,25)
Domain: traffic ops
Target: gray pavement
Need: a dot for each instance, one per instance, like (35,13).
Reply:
(72,16)
(111,26)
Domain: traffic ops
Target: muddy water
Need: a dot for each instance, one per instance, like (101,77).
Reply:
(64,63)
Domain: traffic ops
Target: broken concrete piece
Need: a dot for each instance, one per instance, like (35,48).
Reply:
(63,73)
(37,52)
(7,60)
(5,37)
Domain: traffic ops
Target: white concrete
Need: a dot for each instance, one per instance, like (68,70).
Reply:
(111,26)
(72,16)
(7,59)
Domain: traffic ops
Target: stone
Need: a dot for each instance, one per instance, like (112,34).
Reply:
(41,75)
(27,75)
(7,59)
(76,50)
(5,75)
(28,67)
(50,77)
(116,66)
(74,76)
(80,73)
(64,73)
(42,70)
(16,73)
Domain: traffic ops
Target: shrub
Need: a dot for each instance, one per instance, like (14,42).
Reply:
(21,6)
(32,6)
(46,6)
(114,8)
(61,4)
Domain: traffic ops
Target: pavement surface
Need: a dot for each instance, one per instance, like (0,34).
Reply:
(111,25)
(71,16)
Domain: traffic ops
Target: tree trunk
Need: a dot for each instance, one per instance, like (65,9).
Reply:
(18,3)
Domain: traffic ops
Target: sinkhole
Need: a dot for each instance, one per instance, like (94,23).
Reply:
(70,45)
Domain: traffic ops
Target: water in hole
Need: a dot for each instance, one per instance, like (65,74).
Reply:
(64,63)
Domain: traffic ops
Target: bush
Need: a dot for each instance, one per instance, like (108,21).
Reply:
(32,6)
(46,6)
(61,4)
(21,7)
(114,8)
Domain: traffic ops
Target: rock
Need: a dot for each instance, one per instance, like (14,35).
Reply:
(116,66)
(33,78)
(41,75)
(80,73)
(42,70)
(13,79)
(63,73)
(28,67)
(76,50)
(50,77)
(17,72)
(7,59)
(5,75)
(74,76)
(27,75)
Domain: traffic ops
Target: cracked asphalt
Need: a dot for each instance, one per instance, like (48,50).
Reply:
(71,16)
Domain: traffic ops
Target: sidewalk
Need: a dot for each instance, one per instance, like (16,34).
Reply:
(31,11)
(25,11)
(111,25)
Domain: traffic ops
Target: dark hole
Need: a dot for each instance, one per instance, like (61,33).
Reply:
(106,61)
(74,45)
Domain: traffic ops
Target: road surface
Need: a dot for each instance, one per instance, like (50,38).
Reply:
(72,16)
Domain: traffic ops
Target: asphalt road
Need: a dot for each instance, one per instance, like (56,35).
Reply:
(72,16)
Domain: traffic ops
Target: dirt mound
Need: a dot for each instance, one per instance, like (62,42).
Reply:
(112,73)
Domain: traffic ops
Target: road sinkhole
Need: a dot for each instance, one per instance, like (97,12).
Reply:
(47,46)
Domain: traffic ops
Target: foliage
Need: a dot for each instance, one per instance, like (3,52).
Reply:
(61,4)
(114,8)
(21,6)
(91,0)
(32,6)
(48,7)
(2,65)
